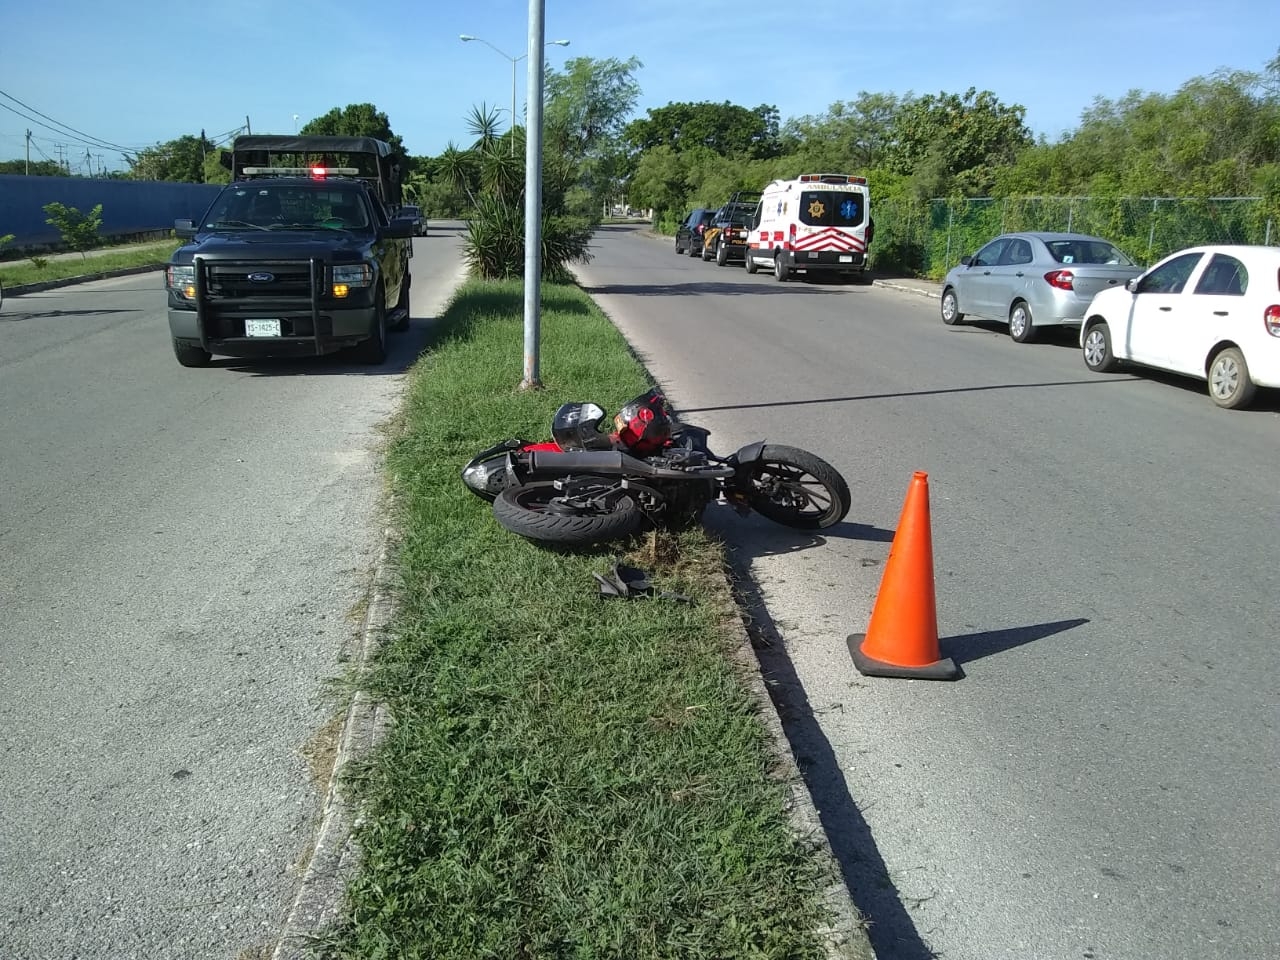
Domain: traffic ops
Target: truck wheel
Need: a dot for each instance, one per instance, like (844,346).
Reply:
(374,349)
(781,272)
(190,355)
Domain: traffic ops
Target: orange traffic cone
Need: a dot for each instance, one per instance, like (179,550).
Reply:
(902,639)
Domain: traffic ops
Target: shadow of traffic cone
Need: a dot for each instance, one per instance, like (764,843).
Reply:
(902,638)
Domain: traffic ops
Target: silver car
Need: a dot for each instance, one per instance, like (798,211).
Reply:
(1031,280)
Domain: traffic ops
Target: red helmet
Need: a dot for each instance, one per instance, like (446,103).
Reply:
(644,424)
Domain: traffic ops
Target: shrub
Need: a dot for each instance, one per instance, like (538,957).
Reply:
(79,230)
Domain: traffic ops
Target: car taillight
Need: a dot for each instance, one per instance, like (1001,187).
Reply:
(701,227)
(1062,279)
(1271,319)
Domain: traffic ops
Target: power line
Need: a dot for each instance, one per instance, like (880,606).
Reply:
(96,140)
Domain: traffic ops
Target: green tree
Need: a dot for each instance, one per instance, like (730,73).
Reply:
(587,106)
(182,160)
(357,120)
(851,137)
(952,142)
(37,168)
(79,230)
(726,128)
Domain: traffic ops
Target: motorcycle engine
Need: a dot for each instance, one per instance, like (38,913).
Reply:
(684,499)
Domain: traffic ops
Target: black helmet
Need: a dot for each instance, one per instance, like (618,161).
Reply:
(644,424)
(576,426)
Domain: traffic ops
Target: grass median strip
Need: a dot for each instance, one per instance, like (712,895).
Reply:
(19,272)
(565,776)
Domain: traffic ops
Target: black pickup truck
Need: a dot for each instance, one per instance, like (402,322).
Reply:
(293,260)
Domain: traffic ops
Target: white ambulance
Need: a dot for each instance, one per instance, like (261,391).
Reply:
(817,223)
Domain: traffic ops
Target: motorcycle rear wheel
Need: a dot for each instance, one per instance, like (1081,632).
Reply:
(797,489)
(538,511)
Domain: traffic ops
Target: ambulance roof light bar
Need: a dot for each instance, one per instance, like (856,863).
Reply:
(832,178)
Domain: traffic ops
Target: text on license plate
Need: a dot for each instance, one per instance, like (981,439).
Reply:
(262,328)
(846,259)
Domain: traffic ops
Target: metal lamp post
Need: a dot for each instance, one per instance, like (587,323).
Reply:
(514,61)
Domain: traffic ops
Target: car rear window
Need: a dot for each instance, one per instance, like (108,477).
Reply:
(1087,251)
(831,208)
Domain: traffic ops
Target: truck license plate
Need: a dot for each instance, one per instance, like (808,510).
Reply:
(262,328)
(846,259)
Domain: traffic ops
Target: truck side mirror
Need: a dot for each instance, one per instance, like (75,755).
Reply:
(183,228)
(224,159)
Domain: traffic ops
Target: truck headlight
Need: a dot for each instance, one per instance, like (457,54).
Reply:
(182,280)
(346,276)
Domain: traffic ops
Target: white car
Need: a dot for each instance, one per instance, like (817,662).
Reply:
(1210,312)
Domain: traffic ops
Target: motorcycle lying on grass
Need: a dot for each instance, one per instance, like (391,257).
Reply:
(586,486)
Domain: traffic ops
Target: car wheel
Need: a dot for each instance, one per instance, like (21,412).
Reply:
(704,252)
(693,251)
(1097,349)
(1230,385)
(749,262)
(1020,328)
(781,272)
(191,355)
(722,254)
(679,249)
(951,314)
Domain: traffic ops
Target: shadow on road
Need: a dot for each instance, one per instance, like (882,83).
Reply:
(403,350)
(892,931)
(974,646)
(910,393)
(11,315)
(701,288)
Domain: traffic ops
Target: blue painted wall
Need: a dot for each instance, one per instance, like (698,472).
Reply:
(128,206)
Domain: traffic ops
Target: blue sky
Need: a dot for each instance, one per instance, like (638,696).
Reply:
(163,69)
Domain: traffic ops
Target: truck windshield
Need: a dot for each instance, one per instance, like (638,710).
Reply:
(293,205)
(832,208)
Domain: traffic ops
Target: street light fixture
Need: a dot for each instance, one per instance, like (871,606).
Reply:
(514,60)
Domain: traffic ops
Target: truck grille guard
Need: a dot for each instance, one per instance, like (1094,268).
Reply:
(289,303)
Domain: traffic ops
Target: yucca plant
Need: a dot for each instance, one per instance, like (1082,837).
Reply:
(494,242)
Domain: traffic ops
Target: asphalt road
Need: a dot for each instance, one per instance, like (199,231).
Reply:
(1102,782)
(183,555)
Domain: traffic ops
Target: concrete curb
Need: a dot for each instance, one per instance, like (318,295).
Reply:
(19,289)
(336,856)
(904,287)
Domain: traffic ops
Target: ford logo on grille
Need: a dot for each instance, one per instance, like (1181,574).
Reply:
(262,277)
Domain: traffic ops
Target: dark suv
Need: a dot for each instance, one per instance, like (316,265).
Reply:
(725,237)
(689,233)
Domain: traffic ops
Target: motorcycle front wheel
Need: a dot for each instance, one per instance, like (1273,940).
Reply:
(541,512)
(793,487)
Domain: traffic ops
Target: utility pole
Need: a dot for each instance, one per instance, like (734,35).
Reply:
(88,163)
(247,128)
(204,154)
(533,199)
(27,169)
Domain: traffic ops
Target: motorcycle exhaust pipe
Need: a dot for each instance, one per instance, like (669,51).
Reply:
(612,463)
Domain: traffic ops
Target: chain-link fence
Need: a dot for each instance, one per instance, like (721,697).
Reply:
(929,238)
